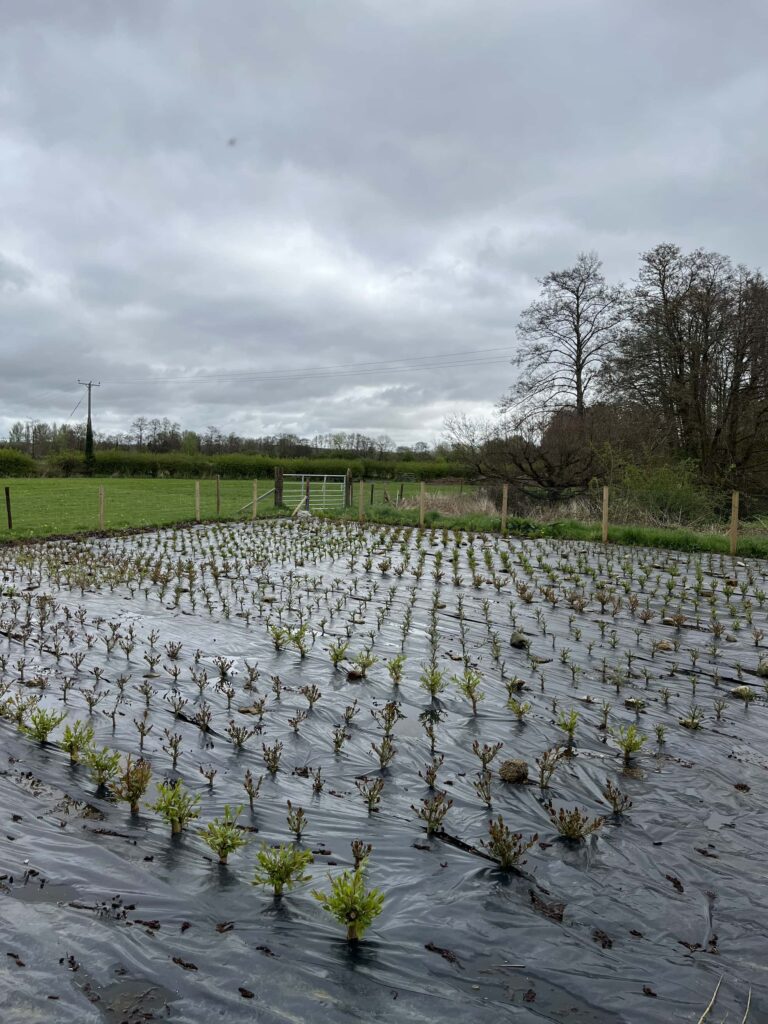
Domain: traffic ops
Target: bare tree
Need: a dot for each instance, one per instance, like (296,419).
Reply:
(695,355)
(469,440)
(566,334)
(138,430)
(548,455)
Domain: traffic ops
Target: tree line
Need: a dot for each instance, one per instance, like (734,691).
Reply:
(160,435)
(670,371)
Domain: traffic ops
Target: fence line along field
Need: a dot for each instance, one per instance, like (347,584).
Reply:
(55,506)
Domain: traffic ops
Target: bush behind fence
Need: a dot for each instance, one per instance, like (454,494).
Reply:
(243,467)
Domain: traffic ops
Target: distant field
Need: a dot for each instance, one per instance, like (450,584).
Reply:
(42,508)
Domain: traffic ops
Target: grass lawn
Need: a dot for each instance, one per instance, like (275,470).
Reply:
(50,506)
(45,507)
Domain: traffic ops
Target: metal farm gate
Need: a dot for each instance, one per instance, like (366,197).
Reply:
(313,492)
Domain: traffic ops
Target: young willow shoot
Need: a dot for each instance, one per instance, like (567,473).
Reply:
(573,825)
(370,790)
(395,668)
(42,723)
(175,805)
(131,784)
(350,903)
(281,867)
(568,722)
(222,835)
(432,679)
(297,820)
(629,740)
(468,686)
(505,846)
(103,764)
(433,811)
(618,801)
(78,738)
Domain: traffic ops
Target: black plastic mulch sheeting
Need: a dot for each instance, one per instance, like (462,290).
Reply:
(104,917)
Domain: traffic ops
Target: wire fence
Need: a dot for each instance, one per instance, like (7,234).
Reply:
(63,506)
(60,506)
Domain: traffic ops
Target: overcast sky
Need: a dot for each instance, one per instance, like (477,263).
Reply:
(209,190)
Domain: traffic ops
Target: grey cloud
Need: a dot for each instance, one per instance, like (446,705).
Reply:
(399,177)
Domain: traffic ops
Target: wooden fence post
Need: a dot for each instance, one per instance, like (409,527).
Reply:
(218,495)
(197,501)
(422,497)
(734,531)
(605,515)
(278,486)
(400,494)
(101,507)
(255,505)
(361,502)
(8,507)
(306,494)
(348,489)
(372,487)
(504,507)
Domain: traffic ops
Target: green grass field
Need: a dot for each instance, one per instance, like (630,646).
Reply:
(50,506)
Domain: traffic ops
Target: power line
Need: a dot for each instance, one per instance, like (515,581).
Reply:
(479,357)
(335,374)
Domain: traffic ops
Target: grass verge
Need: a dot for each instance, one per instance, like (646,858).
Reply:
(635,536)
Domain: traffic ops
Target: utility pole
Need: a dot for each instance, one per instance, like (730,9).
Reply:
(89,459)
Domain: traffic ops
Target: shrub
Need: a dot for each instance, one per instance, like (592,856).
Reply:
(370,790)
(573,824)
(505,846)
(433,811)
(78,737)
(222,834)
(469,686)
(432,679)
(272,755)
(363,661)
(338,652)
(238,466)
(668,494)
(486,753)
(297,820)
(42,723)
(281,867)
(745,693)
(395,667)
(629,740)
(103,764)
(175,805)
(131,785)
(568,723)
(351,903)
(519,708)
(16,463)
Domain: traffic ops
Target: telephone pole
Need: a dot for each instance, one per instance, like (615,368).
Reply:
(89,459)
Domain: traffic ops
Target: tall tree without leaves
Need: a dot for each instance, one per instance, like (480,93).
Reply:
(695,355)
(566,335)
